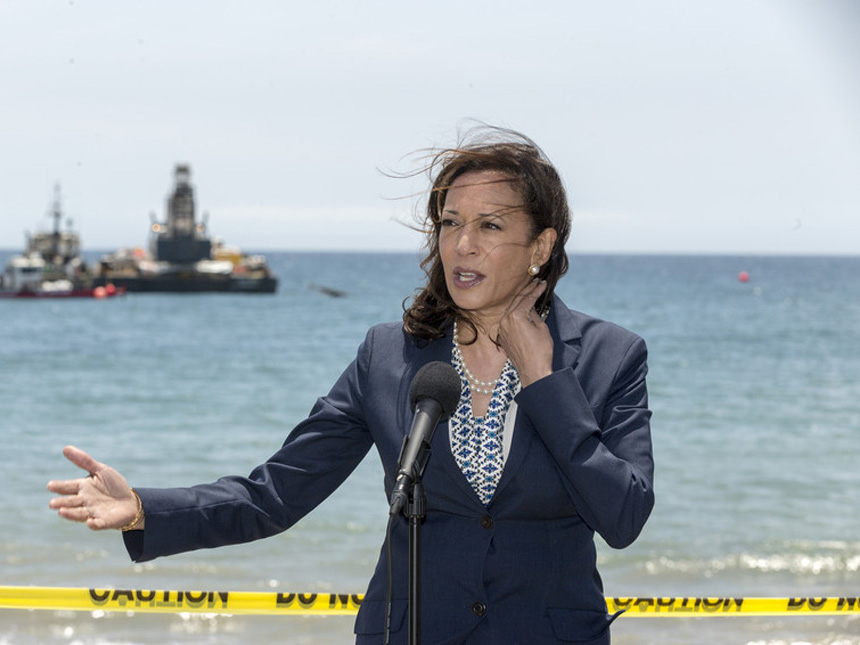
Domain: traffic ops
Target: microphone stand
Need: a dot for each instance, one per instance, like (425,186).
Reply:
(434,393)
(415,508)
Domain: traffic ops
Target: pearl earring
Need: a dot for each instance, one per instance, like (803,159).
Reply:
(534,270)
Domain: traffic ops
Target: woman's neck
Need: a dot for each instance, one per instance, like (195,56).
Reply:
(484,357)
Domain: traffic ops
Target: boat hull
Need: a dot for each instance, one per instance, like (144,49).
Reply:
(98,292)
(202,283)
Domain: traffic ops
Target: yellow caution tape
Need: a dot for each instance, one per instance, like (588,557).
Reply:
(687,606)
(172,601)
(322,604)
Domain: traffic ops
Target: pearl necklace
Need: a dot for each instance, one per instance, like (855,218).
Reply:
(484,387)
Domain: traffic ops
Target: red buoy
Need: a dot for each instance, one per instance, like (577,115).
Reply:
(743,276)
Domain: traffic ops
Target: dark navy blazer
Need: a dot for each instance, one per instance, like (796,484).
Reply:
(521,570)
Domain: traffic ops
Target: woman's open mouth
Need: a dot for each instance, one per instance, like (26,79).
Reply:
(464,278)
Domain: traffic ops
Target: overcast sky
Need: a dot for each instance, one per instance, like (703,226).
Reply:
(726,126)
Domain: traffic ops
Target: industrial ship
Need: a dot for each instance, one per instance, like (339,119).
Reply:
(182,257)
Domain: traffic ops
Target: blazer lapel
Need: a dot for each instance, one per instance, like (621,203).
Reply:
(566,347)
(566,336)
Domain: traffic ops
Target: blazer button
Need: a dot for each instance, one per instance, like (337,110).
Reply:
(479,608)
(487,522)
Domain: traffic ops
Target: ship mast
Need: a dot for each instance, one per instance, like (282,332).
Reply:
(57,214)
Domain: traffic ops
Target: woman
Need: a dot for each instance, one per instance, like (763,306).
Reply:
(550,441)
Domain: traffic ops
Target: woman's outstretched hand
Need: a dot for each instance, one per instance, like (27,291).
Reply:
(103,499)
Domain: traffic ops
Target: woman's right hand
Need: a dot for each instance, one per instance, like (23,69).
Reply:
(103,499)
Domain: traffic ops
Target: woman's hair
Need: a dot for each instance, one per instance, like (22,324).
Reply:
(544,199)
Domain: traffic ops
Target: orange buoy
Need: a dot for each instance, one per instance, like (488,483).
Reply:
(99,292)
(743,276)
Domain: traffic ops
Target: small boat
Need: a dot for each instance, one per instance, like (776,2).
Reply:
(181,256)
(51,266)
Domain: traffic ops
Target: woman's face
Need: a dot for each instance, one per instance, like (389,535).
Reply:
(485,244)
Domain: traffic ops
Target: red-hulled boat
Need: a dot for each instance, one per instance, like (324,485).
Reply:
(52,267)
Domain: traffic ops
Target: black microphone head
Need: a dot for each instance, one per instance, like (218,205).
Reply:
(438,381)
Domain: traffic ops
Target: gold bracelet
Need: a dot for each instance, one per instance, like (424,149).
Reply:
(130,526)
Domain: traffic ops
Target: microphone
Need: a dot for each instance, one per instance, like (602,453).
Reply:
(434,395)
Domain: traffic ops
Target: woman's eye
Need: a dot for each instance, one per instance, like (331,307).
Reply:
(447,222)
(492,226)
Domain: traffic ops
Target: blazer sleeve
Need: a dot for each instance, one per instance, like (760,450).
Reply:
(606,463)
(316,458)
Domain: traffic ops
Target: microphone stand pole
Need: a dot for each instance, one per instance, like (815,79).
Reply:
(416,508)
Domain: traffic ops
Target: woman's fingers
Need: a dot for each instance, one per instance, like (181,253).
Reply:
(527,297)
(66,501)
(530,300)
(532,292)
(82,459)
(522,307)
(75,514)
(65,487)
(524,336)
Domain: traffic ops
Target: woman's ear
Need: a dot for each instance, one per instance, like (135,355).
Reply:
(543,246)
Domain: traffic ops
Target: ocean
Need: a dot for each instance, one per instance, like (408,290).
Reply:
(755,388)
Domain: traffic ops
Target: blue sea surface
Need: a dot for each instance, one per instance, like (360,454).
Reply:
(755,388)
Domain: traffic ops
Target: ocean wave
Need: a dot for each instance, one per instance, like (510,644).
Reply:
(797,558)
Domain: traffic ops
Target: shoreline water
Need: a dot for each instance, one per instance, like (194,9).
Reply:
(753,385)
